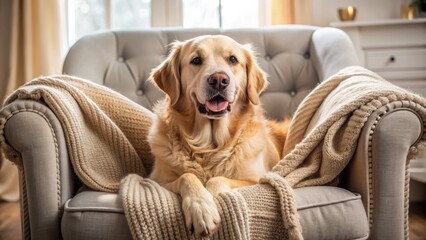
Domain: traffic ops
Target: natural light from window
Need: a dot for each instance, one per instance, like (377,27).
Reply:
(86,16)
(130,14)
(205,13)
(240,13)
(200,13)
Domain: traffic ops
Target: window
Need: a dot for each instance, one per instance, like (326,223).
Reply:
(86,16)
(246,16)
(200,13)
(131,14)
(221,13)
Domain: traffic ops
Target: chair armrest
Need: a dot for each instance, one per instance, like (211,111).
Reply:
(379,170)
(47,180)
(331,50)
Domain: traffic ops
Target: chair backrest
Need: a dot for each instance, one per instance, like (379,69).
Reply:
(123,60)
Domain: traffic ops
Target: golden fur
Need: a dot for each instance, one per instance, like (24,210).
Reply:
(204,145)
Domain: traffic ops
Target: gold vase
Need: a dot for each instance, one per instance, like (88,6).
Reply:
(347,13)
(407,12)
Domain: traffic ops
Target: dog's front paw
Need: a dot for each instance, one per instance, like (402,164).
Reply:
(201,214)
(217,185)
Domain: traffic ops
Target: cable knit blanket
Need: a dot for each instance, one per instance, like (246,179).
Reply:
(106,137)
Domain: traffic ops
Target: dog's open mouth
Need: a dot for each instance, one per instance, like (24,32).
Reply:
(216,107)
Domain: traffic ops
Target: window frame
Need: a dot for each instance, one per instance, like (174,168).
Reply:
(164,13)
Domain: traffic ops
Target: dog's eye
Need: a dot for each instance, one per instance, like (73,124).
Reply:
(233,59)
(197,61)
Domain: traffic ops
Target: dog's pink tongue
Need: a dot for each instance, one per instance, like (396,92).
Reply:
(216,106)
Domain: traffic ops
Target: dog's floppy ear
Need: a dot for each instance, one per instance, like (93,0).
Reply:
(167,75)
(256,77)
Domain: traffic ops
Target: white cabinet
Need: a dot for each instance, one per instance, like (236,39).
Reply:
(396,50)
(393,48)
(389,60)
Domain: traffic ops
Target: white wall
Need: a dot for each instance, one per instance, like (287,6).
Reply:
(325,11)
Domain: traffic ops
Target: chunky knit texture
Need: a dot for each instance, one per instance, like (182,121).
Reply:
(105,132)
(106,137)
(324,131)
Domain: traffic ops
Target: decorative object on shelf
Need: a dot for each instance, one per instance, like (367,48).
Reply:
(420,5)
(408,11)
(347,13)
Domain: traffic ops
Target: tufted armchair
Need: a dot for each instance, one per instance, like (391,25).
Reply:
(370,202)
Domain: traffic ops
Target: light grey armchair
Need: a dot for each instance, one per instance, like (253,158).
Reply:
(370,202)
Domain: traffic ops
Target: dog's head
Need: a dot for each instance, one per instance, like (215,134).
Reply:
(210,74)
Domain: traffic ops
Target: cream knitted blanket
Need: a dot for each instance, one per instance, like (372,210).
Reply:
(106,137)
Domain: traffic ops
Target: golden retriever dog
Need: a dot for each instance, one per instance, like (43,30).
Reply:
(210,134)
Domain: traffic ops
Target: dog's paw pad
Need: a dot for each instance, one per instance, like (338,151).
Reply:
(201,215)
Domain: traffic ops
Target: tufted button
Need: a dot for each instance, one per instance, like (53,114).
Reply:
(268,58)
(307,55)
(413,149)
(120,59)
(139,92)
(292,93)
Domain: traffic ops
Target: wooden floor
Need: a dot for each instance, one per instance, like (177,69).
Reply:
(10,223)
(418,221)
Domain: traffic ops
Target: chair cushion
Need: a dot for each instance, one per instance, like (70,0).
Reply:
(325,213)
(94,215)
(331,213)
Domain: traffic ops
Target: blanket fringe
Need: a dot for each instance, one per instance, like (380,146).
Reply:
(153,212)
(288,205)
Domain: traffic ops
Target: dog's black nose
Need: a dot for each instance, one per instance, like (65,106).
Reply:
(218,80)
